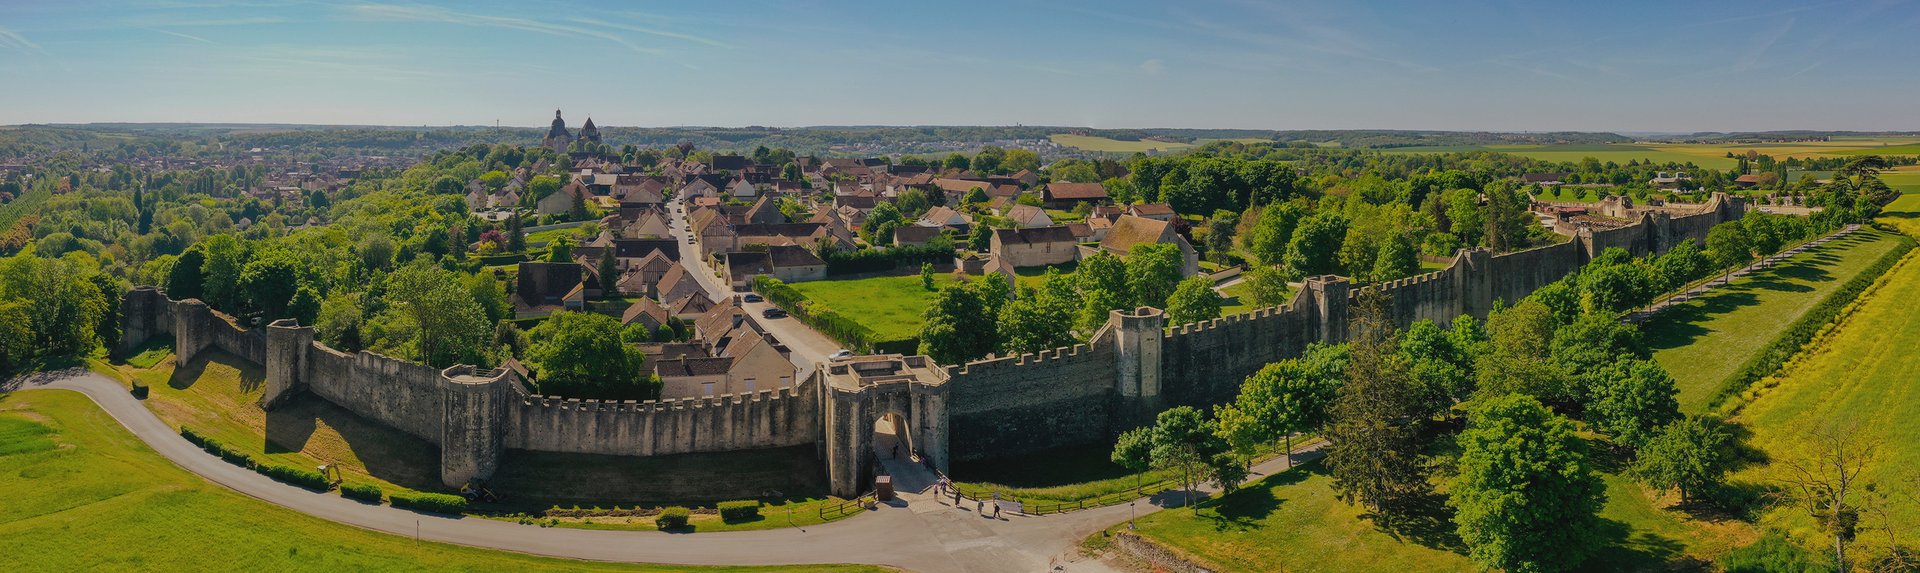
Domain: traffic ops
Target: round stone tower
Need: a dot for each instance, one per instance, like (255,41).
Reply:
(474,431)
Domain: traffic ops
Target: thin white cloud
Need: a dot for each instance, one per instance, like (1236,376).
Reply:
(1153,66)
(13,40)
(180,35)
(416,13)
(652,32)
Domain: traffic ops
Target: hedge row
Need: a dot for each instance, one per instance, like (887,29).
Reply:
(857,337)
(215,447)
(435,502)
(361,491)
(738,510)
(1776,354)
(875,260)
(296,476)
(672,518)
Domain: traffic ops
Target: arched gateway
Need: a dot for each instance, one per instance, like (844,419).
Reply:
(861,391)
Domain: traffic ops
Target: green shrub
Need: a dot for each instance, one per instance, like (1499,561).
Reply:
(296,476)
(361,491)
(217,448)
(1775,355)
(672,518)
(139,391)
(739,510)
(435,502)
(1773,553)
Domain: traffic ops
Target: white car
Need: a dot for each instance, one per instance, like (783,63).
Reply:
(841,353)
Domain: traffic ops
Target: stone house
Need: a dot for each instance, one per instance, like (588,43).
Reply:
(1155,211)
(541,284)
(647,313)
(1034,247)
(561,202)
(1028,216)
(1130,231)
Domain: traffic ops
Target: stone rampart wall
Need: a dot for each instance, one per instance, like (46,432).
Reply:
(764,419)
(1021,404)
(405,395)
(1203,363)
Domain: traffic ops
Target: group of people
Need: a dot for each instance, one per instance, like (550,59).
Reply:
(945,487)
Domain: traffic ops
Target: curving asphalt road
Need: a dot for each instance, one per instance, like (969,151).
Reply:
(918,533)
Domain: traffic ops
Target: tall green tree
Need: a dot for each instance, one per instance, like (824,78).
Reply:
(1691,455)
(1631,400)
(442,324)
(1193,300)
(1282,399)
(1315,246)
(1376,417)
(187,277)
(582,355)
(1153,270)
(1524,496)
(955,330)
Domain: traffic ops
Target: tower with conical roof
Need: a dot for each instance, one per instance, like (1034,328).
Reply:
(558,137)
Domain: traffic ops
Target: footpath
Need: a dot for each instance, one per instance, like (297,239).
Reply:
(1639,316)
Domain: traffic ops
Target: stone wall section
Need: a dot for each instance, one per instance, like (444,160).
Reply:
(764,419)
(1021,404)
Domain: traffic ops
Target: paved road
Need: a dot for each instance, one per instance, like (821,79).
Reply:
(808,345)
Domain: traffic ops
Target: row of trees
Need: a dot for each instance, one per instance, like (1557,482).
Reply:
(1063,309)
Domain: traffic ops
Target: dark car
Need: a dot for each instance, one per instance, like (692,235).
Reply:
(752,298)
(773,313)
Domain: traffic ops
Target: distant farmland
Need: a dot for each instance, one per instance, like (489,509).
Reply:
(1109,145)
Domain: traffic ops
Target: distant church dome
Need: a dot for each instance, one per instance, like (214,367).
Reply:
(559,128)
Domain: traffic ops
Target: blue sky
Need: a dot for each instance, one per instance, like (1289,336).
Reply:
(1511,65)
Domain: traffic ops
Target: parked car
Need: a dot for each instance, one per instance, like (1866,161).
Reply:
(750,297)
(773,313)
(841,353)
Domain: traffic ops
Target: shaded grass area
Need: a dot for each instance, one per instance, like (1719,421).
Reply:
(1859,378)
(788,481)
(217,394)
(1706,341)
(1061,474)
(101,501)
(1240,298)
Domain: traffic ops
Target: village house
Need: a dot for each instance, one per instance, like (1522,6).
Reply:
(1028,216)
(1130,231)
(1064,195)
(563,201)
(1155,211)
(1034,247)
(541,286)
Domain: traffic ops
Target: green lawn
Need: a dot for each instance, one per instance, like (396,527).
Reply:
(1705,341)
(84,495)
(541,238)
(891,306)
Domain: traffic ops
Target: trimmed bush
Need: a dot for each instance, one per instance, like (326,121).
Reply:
(738,510)
(873,260)
(361,491)
(672,518)
(296,476)
(435,502)
(1816,320)
(217,448)
(139,391)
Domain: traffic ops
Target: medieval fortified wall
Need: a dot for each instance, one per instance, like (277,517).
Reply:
(1133,368)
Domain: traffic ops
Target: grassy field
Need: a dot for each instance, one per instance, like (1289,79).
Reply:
(892,305)
(1107,145)
(1292,521)
(1905,179)
(84,495)
(217,395)
(1240,299)
(1704,341)
(1860,377)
